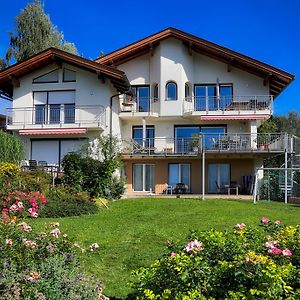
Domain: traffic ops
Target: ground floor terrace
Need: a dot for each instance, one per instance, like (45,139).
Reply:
(223,174)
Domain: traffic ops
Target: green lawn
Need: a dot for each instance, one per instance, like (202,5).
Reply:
(133,233)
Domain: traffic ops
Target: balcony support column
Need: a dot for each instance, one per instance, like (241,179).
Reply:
(203,175)
(253,135)
(144,131)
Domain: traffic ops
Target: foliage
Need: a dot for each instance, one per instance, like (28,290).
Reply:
(64,203)
(11,148)
(34,32)
(21,204)
(9,170)
(133,232)
(38,180)
(244,263)
(41,265)
(93,170)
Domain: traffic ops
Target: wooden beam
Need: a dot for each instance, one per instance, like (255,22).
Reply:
(190,48)
(267,79)
(57,61)
(15,81)
(229,65)
(101,77)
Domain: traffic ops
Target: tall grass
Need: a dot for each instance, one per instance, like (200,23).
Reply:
(11,148)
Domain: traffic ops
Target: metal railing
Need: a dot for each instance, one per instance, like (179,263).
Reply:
(56,115)
(231,142)
(139,105)
(228,103)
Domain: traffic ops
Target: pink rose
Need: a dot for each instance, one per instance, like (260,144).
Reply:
(286,252)
(240,226)
(277,222)
(173,254)
(264,220)
(275,251)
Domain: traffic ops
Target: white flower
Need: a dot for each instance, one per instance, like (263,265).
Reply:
(94,246)
(193,246)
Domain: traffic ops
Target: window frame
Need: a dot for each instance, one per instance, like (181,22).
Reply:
(44,75)
(64,80)
(176,91)
(143,177)
(179,173)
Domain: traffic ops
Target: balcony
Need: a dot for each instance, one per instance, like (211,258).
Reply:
(139,107)
(228,105)
(56,116)
(227,143)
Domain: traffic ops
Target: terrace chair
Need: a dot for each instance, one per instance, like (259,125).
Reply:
(32,164)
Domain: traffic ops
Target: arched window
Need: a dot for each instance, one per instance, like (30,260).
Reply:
(171,91)
(187,90)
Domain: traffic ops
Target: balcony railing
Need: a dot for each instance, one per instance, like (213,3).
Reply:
(228,103)
(56,116)
(140,105)
(209,142)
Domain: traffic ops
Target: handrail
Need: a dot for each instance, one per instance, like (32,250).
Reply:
(139,105)
(228,103)
(233,142)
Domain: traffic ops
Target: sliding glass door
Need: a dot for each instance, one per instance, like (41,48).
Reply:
(142,96)
(218,177)
(186,138)
(143,178)
(179,173)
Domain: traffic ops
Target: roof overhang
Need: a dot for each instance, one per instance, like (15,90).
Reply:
(277,79)
(10,76)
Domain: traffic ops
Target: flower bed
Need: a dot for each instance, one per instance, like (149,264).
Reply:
(248,262)
(42,265)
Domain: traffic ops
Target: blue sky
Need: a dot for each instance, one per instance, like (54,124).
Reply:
(268,30)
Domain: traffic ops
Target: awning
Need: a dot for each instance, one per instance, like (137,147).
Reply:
(236,117)
(52,131)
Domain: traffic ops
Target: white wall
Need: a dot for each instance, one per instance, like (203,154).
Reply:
(172,62)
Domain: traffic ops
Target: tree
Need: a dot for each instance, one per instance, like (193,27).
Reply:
(34,32)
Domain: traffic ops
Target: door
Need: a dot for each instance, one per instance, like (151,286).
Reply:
(142,94)
(218,177)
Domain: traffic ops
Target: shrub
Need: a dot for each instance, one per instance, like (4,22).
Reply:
(11,148)
(9,170)
(41,265)
(62,202)
(260,262)
(21,204)
(37,180)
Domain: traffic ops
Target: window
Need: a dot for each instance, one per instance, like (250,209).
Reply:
(142,97)
(155,92)
(51,106)
(212,97)
(137,135)
(143,178)
(212,136)
(218,177)
(50,77)
(184,138)
(69,75)
(179,173)
(186,90)
(171,91)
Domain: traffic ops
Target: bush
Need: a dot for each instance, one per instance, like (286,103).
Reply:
(260,262)
(41,265)
(9,170)
(21,204)
(93,171)
(37,180)
(62,202)
(11,148)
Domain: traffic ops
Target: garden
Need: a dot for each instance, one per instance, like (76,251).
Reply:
(60,242)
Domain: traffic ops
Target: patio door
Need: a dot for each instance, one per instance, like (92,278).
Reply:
(142,95)
(218,177)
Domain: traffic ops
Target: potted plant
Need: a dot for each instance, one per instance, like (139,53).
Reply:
(195,142)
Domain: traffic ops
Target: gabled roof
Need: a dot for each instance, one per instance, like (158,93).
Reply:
(277,79)
(11,75)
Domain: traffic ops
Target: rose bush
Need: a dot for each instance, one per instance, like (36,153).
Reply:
(41,265)
(22,204)
(247,262)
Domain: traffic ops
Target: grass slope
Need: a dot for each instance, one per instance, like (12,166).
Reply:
(133,233)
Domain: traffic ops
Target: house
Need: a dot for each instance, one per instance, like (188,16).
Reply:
(191,121)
